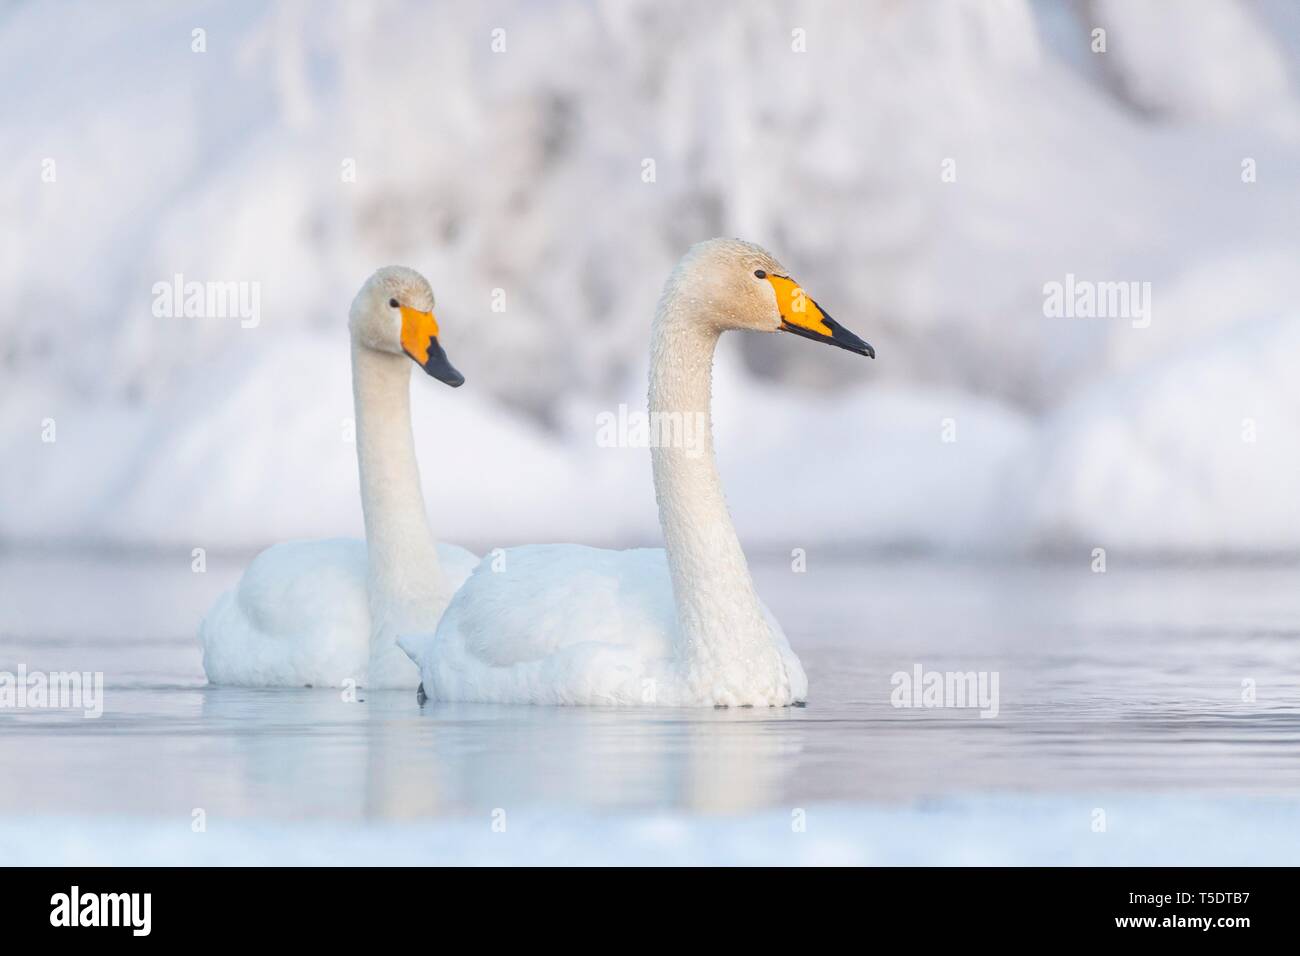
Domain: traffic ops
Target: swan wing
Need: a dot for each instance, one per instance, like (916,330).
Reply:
(555,624)
(298,616)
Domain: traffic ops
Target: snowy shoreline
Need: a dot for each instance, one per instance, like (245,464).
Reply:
(1008,830)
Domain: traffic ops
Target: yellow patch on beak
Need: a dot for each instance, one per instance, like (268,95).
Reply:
(802,316)
(418,330)
(796,307)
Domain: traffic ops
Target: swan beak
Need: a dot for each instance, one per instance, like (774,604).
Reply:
(420,342)
(801,315)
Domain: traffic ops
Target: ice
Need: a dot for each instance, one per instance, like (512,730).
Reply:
(1140,831)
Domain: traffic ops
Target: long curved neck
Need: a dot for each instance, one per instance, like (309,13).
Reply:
(405,583)
(719,616)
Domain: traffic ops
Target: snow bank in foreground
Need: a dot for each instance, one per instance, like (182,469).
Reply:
(1053,830)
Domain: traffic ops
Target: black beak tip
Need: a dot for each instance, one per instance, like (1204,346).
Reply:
(847,340)
(444,372)
(437,366)
(840,337)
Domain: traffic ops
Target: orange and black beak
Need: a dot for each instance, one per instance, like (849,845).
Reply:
(420,342)
(802,316)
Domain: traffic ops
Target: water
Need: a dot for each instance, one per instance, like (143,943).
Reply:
(1131,682)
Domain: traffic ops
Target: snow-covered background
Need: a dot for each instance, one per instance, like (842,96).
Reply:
(522,170)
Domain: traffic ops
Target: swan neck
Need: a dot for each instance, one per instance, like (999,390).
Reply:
(720,619)
(404,580)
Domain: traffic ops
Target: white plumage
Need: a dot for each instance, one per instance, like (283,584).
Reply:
(300,617)
(568,624)
(325,613)
(565,624)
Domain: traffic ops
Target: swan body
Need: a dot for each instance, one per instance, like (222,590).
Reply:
(326,613)
(568,624)
(682,626)
(300,616)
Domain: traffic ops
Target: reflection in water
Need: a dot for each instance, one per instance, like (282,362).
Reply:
(384,757)
(1178,679)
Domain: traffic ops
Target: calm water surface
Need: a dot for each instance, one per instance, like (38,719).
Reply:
(1133,680)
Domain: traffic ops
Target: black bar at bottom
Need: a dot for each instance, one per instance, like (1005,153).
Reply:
(732,907)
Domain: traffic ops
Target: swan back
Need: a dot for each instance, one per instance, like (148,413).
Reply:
(568,624)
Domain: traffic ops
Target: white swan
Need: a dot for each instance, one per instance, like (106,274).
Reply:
(321,613)
(564,624)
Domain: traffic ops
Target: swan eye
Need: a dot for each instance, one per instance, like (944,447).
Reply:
(393,303)
(760,274)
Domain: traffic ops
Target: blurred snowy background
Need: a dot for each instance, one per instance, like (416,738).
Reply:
(1172,158)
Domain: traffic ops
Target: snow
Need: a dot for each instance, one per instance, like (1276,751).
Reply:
(1193,453)
(1001,831)
(521,171)
(1216,64)
(255,461)
(1197,452)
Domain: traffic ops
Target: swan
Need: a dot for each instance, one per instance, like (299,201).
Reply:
(323,613)
(681,626)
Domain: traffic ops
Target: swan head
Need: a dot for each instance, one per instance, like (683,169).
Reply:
(393,313)
(744,287)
